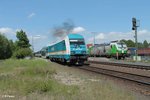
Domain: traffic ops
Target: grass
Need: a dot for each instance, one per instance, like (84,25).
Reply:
(104,91)
(24,77)
(33,80)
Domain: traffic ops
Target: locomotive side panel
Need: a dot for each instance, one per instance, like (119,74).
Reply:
(57,51)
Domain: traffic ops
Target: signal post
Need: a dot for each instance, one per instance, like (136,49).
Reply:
(134,27)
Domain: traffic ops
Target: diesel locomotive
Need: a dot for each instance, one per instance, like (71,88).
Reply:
(71,49)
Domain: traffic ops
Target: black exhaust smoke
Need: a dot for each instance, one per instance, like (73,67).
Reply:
(64,29)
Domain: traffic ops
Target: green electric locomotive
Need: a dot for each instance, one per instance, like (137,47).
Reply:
(115,49)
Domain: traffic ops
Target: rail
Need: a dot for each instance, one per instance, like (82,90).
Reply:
(122,65)
(123,75)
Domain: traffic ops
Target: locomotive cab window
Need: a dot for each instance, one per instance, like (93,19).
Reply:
(121,45)
(111,46)
(77,42)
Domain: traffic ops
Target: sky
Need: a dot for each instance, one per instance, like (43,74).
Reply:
(107,20)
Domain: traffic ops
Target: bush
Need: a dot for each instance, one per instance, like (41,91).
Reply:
(5,47)
(22,53)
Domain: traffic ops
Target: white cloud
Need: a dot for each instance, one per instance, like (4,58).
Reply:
(100,36)
(78,30)
(10,33)
(37,37)
(6,30)
(142,32)
(111,36)
(31,15)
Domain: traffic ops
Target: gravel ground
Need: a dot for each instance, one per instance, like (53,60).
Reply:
(74,76)
(145,91)
(133,87)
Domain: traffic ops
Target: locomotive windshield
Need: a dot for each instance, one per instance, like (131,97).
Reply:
(77,42)
(121,45)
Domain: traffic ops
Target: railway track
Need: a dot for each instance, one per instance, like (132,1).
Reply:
(144,80)
(123,65)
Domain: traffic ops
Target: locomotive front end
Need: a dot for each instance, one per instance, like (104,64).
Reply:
(78,54)
(122,49)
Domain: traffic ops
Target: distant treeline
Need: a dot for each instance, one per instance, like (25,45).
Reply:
(18,49)
(130,43)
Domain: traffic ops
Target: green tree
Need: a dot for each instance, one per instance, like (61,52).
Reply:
(129,43)
(22,46)
(5,48)
(23,41)
(145,44)
(140,45)
(22,52)
(12,45)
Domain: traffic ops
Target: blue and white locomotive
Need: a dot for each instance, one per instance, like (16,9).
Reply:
(71,49)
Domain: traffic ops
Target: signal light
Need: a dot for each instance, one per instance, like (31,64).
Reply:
(134,23)
(133,28)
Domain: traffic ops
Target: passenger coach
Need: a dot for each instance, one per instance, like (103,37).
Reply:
(71,49)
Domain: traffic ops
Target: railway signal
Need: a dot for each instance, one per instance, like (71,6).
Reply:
(133,23)
(134,27)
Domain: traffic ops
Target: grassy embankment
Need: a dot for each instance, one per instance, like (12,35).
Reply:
(33,79)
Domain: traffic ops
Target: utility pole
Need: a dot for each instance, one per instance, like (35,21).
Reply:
(134,27)
(94,43)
